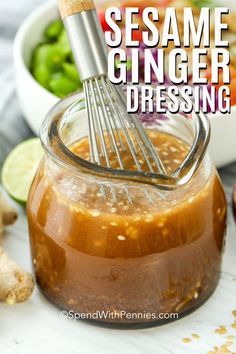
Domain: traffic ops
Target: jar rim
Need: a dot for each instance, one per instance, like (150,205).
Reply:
(62,155)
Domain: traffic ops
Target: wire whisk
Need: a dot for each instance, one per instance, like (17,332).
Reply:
(112,132)
(115,135)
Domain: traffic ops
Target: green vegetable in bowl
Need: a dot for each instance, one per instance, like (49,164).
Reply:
(61,85)
(42,74)
(51,55)
(52,62)
(63,41)
(53,31)
(72,73)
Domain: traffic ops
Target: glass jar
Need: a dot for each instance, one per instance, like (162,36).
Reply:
(120,251)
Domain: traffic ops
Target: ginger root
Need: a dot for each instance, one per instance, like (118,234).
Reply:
(16,285)
(8,214)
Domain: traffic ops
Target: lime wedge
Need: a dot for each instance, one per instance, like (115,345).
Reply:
(20,167)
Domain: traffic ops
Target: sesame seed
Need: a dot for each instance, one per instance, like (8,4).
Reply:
(195,336)
(176,161)
(221,330)
(95,213)
(149,218)
(71,302)
(121,238)
(186,340)
(113,210)
(113,224)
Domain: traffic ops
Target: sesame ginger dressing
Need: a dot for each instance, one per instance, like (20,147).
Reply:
(100,249)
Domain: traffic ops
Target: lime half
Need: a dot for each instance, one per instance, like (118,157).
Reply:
(20,167)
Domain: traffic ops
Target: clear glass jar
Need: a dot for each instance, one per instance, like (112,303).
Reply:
(121,251)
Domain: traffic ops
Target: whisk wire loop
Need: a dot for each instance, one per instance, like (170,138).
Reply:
(112,130)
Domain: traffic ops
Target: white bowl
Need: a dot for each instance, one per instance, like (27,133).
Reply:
(37,101)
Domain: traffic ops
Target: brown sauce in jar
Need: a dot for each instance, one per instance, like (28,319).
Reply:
(95,248)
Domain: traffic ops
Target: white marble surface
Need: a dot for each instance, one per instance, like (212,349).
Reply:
(36,326)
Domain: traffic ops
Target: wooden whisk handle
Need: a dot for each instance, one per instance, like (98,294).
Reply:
(72,7)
